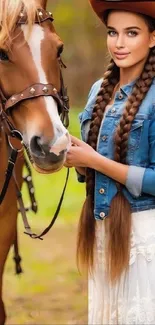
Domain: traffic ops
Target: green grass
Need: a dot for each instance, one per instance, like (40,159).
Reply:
(50,291)
(48,188)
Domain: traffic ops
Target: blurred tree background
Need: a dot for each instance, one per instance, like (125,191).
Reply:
(84,45)
(51,291)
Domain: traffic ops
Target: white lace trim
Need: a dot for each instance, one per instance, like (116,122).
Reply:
(148,252)
(141,311)
(132,299)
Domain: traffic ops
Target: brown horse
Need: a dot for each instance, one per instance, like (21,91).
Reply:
(30,94)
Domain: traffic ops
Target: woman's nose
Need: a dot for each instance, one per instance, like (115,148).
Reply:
(120,42)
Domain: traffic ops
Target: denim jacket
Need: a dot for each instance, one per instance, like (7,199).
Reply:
(140,183)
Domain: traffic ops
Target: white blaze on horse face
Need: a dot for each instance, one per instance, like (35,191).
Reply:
(34,43)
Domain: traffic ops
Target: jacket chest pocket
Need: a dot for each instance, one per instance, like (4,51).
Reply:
(135,134)
(85,120)
(134,141)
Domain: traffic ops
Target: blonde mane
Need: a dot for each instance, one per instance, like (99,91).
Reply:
(9,11)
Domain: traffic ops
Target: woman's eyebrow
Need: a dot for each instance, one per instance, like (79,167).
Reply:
(127,28)
(133,27)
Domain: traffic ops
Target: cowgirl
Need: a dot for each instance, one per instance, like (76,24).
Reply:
(117,159)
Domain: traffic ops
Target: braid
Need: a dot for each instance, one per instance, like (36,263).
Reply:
(118,225)
(86,234)
(119,221)
(103,98)
(139,91)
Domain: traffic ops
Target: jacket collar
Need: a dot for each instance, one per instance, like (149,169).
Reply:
(127,89)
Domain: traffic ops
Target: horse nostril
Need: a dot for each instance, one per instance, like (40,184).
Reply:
(55,158)
(36,146)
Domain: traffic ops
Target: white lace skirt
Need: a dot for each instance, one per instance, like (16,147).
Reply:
(132,299)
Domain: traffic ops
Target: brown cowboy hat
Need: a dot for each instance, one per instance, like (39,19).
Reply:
(143,7)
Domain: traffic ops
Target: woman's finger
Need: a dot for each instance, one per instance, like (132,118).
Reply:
(75,141)
(67,165)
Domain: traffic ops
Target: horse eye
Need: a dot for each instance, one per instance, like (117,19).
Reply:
(60,50)
(3,56)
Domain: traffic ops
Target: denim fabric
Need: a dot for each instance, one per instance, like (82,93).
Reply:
(140,184)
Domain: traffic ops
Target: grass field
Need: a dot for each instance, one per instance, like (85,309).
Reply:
(50,291)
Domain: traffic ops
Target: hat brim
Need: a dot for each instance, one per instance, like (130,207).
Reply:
(142,7)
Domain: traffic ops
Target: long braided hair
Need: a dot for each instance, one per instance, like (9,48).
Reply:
(118,223)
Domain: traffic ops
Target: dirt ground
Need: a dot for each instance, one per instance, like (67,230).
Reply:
(50,291)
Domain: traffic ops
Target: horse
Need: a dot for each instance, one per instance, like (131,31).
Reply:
(33,108)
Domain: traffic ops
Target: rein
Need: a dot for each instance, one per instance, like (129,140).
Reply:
(6,104)
(28,230)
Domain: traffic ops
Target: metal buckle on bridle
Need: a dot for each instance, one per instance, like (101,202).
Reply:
(15,134)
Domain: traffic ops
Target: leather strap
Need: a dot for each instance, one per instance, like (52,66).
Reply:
(33,91)
(28,230)
(41,16)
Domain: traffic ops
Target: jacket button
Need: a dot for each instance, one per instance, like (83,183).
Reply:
(120,96)
(102,215)
(113,110)
(104,138)
(101,190)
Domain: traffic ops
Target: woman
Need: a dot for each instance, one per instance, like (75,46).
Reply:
(117,227)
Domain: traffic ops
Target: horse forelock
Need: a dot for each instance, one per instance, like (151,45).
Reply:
(9,15)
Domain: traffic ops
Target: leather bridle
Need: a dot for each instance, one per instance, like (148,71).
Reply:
(6,104)
(39,89)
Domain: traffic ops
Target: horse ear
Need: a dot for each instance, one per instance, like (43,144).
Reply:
(43,3)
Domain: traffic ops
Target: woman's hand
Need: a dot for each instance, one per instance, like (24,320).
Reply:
(80,154)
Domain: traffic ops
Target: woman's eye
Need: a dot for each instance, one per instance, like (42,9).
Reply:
(132,33)
(111,33)
(60,50)
(3,56)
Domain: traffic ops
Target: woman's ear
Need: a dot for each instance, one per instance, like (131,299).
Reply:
(152,39)
(43,3)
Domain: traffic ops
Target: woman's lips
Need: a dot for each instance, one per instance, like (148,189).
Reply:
(121,56)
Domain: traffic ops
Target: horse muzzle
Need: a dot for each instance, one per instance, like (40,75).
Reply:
(49,156)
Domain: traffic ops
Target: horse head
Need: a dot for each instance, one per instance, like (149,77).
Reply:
(31,85)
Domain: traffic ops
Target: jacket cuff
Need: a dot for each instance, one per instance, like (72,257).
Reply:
(81,178)
(134,180)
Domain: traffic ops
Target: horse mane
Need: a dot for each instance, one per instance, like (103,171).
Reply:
(9,13)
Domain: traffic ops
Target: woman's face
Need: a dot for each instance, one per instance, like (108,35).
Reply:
(129,39)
